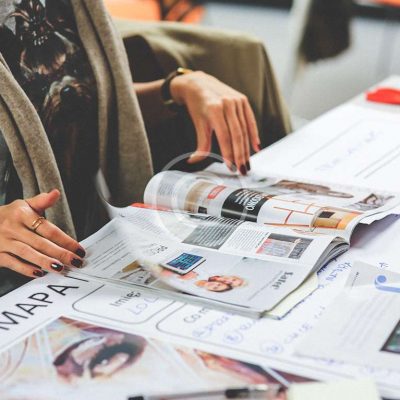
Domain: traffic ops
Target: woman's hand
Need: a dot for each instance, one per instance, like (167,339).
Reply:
(216,107)
(32,252)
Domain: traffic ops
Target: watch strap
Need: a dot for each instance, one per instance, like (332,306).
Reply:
(166,88)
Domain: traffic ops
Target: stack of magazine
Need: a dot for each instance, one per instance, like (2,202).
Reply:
(240,244)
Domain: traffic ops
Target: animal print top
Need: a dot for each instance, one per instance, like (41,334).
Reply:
(40,42)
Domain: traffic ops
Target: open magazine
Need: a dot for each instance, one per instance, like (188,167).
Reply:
(204,238)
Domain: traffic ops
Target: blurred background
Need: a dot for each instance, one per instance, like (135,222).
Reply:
(324,52)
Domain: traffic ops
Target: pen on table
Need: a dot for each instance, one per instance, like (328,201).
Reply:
(267,392)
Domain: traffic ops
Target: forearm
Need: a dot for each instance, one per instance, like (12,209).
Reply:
(151,103)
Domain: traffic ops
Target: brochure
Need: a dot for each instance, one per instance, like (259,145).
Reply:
(200,238)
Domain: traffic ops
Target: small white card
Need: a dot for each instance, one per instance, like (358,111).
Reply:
(343,390)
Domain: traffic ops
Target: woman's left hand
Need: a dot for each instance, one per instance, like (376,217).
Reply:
(217,108)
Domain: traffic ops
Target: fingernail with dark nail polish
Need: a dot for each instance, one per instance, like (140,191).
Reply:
(257,148)
(248,166)
(233,168)
(81,253)
(57,267)
(38,273)
(76,262)
(243,170)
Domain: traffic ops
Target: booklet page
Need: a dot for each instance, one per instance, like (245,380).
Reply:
(122,253)
(230,236)
(301,206)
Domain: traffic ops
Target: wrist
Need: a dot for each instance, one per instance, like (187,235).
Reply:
(177,89)
(172,89)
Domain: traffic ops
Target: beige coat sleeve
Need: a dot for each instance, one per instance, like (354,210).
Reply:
(239,60)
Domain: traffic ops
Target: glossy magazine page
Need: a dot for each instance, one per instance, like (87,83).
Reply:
(295,205)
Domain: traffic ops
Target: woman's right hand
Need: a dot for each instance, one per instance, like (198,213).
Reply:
(31,252)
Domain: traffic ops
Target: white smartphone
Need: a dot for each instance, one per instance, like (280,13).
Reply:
(182,263)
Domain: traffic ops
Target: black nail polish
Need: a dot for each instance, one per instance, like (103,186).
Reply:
(80,252)
(38,273)
(243,170)
(248,166)
(76,262)
(57,267)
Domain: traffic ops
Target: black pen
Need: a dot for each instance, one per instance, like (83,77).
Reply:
(267,392)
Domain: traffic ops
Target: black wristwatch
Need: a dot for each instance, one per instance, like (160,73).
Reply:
(166,96)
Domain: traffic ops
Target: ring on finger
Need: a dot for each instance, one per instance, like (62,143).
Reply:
(36,223)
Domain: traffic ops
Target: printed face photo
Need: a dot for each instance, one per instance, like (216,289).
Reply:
(234,281)
(221,283)
(69,359)
(214,286)
(100,356)
(310,188)
(371,202)
(392,345)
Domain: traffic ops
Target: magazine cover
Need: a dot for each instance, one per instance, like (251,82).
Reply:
(70,359)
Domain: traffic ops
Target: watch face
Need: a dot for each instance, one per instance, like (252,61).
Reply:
(184,262)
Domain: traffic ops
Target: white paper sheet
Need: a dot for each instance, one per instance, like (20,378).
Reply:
(352,144)
(343,390)
(363,324)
